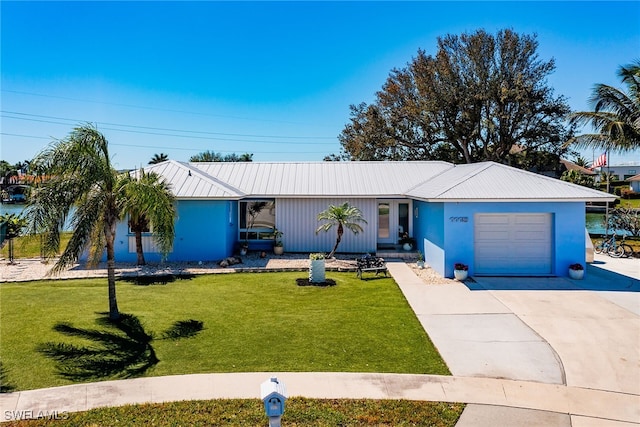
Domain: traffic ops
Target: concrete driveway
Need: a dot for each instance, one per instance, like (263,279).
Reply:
(584,334)
(593,325)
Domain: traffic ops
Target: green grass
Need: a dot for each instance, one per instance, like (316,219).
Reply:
(253,322)
(29,246)
(250,412)
(629,203)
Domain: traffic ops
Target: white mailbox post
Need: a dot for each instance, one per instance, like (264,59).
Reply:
(273,393)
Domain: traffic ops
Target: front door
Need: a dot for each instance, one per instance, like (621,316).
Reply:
(393,220)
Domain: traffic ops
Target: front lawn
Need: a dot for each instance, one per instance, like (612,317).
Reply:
(252,322)
(250,412)
(30,246)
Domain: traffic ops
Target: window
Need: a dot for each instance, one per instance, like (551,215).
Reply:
(141,225)
(257,219)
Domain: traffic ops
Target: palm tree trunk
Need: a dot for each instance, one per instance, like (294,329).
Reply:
(11,251)
(139,250)
(109,230)
(338,240)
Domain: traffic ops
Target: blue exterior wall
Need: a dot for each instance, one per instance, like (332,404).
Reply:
(428,229)
(446,241)
(205,230)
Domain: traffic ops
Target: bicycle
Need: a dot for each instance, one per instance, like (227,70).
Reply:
(628,250)
(611,247)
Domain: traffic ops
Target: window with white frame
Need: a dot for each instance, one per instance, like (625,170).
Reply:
(257,219)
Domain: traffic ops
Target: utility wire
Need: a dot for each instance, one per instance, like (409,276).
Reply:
(167,129)
(165,147)
(172,135)
(143,107)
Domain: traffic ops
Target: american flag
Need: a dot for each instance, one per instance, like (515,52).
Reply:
(600,161)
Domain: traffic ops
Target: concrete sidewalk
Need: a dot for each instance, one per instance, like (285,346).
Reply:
(605,407)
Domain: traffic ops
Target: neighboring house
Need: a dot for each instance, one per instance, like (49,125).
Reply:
(634,183)
(497,219)
(623,172)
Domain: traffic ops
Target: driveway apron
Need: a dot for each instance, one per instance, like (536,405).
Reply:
(597,340)
(476,334)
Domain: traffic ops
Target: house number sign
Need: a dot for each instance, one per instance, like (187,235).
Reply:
(459,218)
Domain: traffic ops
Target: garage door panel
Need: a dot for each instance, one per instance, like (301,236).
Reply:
(513,244)
(530,219)
(495,219)
(537,234)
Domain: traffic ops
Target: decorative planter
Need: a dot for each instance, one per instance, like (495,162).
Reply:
(576,274)
(420,264)
(460,275)
(278,250)
(407,246)
(317,271)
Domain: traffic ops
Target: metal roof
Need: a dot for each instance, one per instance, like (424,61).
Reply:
(488,181)
(426,180)
(191,183)
(322,179)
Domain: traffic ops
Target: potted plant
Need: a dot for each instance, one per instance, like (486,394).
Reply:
(407,242)
(420,261)
(278,246)
(460,271)
(576,271)
(244,248)
(316,268)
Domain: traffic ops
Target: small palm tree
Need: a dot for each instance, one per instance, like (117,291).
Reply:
(149,203)
(14,225)
(158,158)
(615,115)
(343,216)
(81,176)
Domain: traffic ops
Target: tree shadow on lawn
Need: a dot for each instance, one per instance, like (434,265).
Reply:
(122,350)
(156,279)
(5,384)
(307,282)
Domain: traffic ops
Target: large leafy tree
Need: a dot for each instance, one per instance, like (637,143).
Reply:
(616,115)
(80,176)
(342,216)
(149,204)
(481,97)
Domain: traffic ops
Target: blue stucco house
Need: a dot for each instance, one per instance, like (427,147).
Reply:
(496,219)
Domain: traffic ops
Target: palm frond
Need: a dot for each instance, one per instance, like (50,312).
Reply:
(616,115)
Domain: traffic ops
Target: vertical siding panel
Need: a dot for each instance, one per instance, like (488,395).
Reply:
(297,220)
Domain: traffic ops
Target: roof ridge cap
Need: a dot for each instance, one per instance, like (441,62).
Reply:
(451,166)
(467,176)
(211,179)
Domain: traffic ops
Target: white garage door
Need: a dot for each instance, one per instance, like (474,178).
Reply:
(513,244)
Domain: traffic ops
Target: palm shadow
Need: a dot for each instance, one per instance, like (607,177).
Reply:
(156,279)
(123,349)
(5,384)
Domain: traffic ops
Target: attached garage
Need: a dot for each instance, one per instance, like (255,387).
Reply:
(513,244)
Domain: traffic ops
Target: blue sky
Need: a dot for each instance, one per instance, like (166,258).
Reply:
(272,79)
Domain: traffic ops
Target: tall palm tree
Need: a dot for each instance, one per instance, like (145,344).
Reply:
(615,115)
(81,176)
(342,216)
(149,203)
(158,158)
